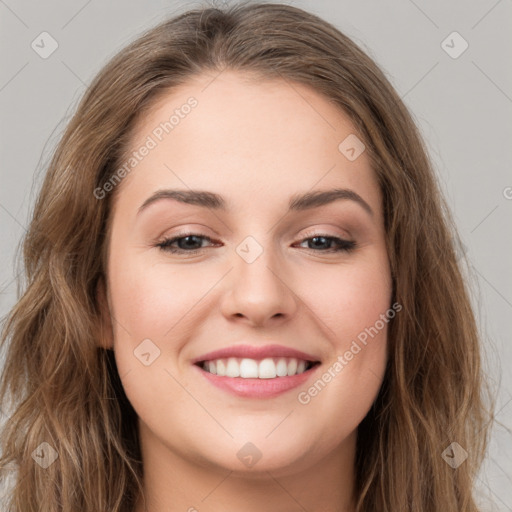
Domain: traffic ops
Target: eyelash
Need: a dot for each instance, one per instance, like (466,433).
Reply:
(342,245)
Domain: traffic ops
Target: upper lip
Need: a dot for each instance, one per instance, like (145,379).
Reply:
(255,352)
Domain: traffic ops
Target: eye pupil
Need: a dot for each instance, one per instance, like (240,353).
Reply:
(185,241)
(316,238)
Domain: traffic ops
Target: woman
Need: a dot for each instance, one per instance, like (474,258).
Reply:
(243,291)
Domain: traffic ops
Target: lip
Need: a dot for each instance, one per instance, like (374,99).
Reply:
(258,388)
(257,353)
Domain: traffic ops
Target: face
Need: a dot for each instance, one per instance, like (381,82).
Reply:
(277,281)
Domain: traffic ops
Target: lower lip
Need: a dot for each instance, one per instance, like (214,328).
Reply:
(258,388)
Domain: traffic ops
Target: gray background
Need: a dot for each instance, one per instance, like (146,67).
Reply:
(462,105)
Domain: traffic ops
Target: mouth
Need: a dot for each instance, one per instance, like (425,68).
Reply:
(247,368)
(257,378)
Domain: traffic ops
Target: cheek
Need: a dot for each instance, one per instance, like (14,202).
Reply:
(151,303)
(348,298)
(355,312)
(151,300)
(353,305)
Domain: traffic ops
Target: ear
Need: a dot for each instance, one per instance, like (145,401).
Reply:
(105,334)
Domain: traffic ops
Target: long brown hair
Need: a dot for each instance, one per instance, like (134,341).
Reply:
(64,389)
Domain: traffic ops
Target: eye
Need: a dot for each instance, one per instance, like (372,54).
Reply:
(191,243)
(187,243)
(320,240)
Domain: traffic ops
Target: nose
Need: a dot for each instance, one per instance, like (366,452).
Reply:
(259,292)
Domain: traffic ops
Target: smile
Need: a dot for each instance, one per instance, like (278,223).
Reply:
(268,368)
(250,378)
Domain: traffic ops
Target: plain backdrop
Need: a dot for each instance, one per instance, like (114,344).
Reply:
(461,100)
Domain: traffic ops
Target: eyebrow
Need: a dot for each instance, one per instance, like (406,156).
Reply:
(298,202)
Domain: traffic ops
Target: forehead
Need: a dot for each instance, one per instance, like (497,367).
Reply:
(245,139)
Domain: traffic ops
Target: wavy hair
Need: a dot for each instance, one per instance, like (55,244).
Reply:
(64,389)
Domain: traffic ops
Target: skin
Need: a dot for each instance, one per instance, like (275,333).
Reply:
(256,144)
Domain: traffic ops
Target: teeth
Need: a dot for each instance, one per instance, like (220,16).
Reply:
(281,367)
(292,366)
(211,367)
(220,367)
(232,368)
(267,369)
(249,369)
(245,368)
